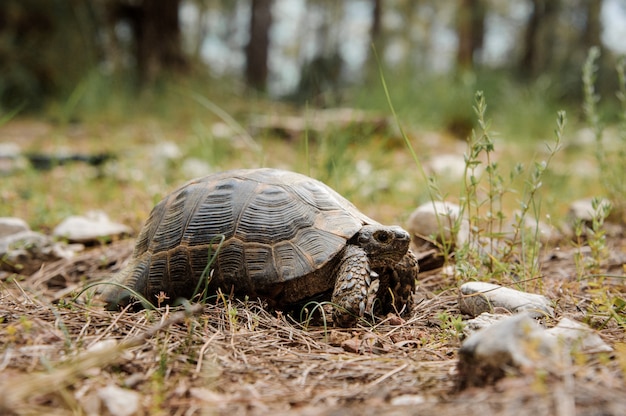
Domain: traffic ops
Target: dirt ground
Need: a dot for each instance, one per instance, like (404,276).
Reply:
(236,357)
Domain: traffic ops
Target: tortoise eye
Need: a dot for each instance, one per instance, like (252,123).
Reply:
(381,236)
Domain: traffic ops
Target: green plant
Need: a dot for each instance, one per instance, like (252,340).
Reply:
(488,243)
(484,214)
(452,325)
(307,313)
(207,273)
(596,236)
(610,155)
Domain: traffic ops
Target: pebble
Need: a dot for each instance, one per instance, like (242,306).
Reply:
(195,168)
(25,251)
(544,232)
(478,297)
(435,218)
(408,400)
(12,225)
(483,320)
(93,227)
(11,158)
(582,209)
(119,401)
(448,165)
(517,343)
(575,335)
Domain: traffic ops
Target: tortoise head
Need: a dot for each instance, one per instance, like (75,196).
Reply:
(384,245)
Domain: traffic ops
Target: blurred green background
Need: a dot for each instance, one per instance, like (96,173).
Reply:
(174,89)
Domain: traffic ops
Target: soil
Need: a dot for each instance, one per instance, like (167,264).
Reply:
(231,356)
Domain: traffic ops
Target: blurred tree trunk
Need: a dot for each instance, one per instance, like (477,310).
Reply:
(591,35)
(376,20)
(257,49)
(539,37)
(159,46)
(156,35)
(376,42)
(46,47)
(470,32)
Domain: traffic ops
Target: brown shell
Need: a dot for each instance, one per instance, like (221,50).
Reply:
(277,226)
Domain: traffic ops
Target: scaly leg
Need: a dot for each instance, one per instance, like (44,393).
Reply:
(398,285)
(354,290)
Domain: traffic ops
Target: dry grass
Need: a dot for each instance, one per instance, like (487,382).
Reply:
(236,357)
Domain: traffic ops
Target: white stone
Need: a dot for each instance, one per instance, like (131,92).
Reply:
(516,344)
(221,130)
(578,336)
(449,166)
(582,209)
(515,340)
(408,400)
(479,297)
(24,240)
(119,401)
(11,158)
(519,342)
(167,151)
(435,218)
(12,225)
(10,150)
(102,345)
(92,227)
(483,320)
(25,251)
(195,168)
(546,233)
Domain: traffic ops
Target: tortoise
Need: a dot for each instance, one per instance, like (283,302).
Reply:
(287,238)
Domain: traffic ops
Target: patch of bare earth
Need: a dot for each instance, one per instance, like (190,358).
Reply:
(236,357)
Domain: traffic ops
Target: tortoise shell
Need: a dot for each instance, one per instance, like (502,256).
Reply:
(282,235)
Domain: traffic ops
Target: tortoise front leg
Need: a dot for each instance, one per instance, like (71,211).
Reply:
(398,284)
(355,289)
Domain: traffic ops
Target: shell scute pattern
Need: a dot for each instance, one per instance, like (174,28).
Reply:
(258,222)
(286,238)
(214,214)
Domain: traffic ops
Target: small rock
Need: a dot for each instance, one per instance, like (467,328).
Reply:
(11,158)
(408,400)
(367,345)
(195,168)
(582,210)
(91,228)
(102,345)
(519,344)
(166,151)
(221,130)
(24,252)
(436,219)
(163,154)
(9,150)
(450,166)
(216,399)
(479,297)
(119,401)
(546,233)
(514,344)
(26,240)
(12,225)
(483,320)
(579,337)
(351,345)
